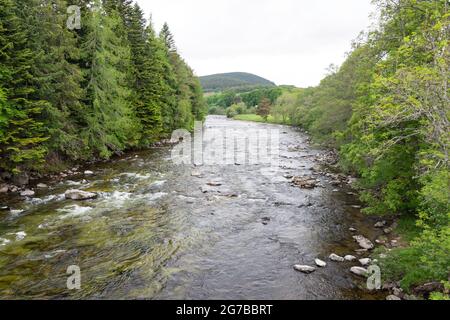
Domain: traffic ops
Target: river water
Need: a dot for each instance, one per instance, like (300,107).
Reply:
(159,231)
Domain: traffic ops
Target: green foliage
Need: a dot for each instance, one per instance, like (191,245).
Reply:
(22,131)
(89,93)
(387,110)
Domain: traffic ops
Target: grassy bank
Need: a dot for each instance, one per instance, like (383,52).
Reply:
(256,118)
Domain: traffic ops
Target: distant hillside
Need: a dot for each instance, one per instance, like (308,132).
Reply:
(234,80)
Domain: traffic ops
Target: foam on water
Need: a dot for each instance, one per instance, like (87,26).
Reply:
(73,211)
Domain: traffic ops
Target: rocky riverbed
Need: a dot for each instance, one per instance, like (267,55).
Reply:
(142,227)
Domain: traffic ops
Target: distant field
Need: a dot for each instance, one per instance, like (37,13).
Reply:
(256,118)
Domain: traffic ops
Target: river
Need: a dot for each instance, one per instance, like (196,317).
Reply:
(159,231)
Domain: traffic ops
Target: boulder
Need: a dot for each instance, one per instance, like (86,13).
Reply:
(88,173)
(320,263)
(359,271)
(427,288)
(365,262)
(80,195)
(363,242)
(336,258)
(304,269)
(350,258)
(27,193)
(4,189)
(42,186)
(380,224)
(393,298)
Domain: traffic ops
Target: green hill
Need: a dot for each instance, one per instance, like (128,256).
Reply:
(234,80)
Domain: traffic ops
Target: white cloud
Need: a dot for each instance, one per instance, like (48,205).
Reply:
(286,41)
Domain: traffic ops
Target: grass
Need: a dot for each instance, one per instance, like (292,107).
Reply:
(256,118)
(407,228)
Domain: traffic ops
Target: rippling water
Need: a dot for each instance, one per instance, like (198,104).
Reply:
(154,234)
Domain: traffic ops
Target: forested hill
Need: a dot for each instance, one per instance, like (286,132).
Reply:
(75,93)
(234,80)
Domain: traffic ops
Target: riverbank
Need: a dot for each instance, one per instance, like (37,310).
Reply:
(404,274)
(26,183)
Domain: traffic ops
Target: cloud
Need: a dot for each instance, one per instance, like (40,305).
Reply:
(287,41)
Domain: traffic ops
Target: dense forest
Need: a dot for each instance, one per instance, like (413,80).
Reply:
(88,93)
(387,111)
(233,81)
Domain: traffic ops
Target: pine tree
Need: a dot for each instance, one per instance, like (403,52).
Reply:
(110,125)
(22,132)
(167,38)
(56,75)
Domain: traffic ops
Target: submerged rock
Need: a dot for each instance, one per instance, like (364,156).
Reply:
(214,184)
(359,271)
(304,269)
(80,195)
(364,242)
(320,263)
(336,258)
(304,182)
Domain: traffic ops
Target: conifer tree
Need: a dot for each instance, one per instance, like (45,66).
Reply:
(22,131)
(110,125)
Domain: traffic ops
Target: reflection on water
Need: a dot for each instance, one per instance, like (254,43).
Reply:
(154,233)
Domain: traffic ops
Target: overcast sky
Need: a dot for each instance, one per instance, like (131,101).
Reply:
(286,41)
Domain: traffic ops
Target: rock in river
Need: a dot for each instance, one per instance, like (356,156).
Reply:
(393,298)
(380,224)
(364,242)
(350,258)
(27,193)
(365,262)
(304,269)
(320,263)
(79,195)
(304,182)
(359,271)
(336,258)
